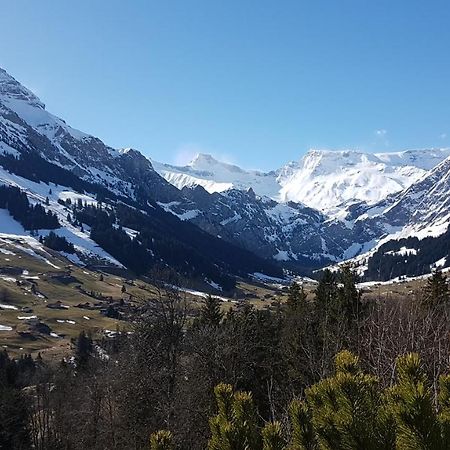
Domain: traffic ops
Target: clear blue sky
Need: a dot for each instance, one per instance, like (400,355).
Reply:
(258,82)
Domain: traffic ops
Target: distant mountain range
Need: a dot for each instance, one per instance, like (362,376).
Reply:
(214,220)
(323,179)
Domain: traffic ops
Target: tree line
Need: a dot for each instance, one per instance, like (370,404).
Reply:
(31,217)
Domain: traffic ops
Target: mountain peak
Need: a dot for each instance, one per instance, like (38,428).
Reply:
(11,90)
(203,158)
(205,161)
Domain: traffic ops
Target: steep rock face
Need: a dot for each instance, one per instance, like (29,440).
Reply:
(287,232)
(426,203)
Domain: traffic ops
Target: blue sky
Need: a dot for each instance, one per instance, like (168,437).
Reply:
(255,82)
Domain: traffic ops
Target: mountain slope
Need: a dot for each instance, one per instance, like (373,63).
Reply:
(131,177)
(411,226)
(37,148)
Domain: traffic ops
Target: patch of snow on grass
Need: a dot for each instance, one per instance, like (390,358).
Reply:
(10,279)
(3,306)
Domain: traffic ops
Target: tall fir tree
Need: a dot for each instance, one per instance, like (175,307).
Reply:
(296,296)
(436,291)
(326,292)
(349,305)
(84,350)
(211,314)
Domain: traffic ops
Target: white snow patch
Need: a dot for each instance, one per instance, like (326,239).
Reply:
(10,279)
(266,278)
(441,262)
(3,306)
(403,252)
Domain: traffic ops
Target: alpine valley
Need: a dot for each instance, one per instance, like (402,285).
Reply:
(212,221)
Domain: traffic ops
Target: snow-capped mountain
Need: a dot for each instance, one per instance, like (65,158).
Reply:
(367,200)
(325,180)
(27,126)
(216,176)
(328,207)
(330,180)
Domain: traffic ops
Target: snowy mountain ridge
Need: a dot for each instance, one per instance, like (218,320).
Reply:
(323,179)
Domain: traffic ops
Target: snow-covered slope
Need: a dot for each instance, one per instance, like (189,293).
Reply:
(325,180)
(13,232)
(30,108)
(329,180)
(424,208)
(217,176)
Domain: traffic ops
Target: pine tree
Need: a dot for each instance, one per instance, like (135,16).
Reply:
(326,292)
(444,409)
(296,297)
(161,440)
(211,313)
(345,406)
(330,332)
(272,437)
(83,350)
(346,411)
(412,406)
(303,437)
(349,297)
(235,425)
(436,291)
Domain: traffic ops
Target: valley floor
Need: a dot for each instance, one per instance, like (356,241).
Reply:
(46,299)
